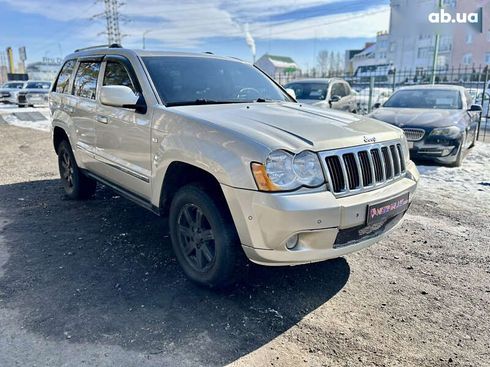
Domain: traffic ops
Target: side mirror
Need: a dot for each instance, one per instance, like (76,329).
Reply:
(118,96)
(334,99)
(376,105)
(475,108)
(291,92)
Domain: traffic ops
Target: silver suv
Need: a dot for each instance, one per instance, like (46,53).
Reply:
(237,165)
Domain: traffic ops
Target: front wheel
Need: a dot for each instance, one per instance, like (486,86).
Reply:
(204,237)
(460,156)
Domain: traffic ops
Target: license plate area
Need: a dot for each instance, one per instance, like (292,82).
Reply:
(382,211)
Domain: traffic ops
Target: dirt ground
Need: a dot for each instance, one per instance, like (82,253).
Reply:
(95,283)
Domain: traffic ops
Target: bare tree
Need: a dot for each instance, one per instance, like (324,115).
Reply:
(331,70)
(323,61)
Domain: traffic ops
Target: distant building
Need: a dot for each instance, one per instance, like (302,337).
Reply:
(349,54)
(372,60)
(277,67)
(44,70)
(410,42)
(472,46)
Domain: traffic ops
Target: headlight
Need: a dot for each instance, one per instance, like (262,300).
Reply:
(284,171)
(450,131)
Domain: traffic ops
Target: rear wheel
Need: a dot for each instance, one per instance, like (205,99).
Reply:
(204,237)
(76,185)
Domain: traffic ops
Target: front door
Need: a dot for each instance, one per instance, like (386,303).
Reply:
(123,135)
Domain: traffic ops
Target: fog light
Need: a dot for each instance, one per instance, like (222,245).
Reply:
(292,242)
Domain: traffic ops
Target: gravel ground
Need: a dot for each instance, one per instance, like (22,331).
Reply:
(95,283)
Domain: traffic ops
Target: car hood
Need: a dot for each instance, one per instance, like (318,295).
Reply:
(292,126)
(415,117)
(34,90)
(311,101)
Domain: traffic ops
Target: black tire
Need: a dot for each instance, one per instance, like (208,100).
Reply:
(460,156)
(210,254)
(473,143)
(77,186)
(21,105)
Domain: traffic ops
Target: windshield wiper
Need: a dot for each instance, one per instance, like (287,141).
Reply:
(199,101)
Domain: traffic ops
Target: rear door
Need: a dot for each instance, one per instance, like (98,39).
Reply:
(123,135)
(82,106)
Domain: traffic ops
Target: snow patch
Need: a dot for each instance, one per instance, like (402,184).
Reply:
(15,116)
(472,178)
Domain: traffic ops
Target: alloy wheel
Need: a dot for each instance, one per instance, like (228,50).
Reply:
(196,238)
(67,168)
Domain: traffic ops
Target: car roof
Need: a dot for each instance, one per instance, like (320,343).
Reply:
(434,86)
(103,50)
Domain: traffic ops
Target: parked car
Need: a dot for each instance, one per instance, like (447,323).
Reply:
(379,95)
(239,167)
(440,121)
(484,102)
(333,93)
(33,93)
(8,91)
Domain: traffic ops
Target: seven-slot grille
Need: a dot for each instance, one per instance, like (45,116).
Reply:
(414,134)
(354,170)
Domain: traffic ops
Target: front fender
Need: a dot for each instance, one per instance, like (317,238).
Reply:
(223,153)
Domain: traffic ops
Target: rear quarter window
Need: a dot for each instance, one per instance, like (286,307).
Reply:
(63,81)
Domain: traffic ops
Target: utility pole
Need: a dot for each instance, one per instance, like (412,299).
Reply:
(112,18)
(436,52)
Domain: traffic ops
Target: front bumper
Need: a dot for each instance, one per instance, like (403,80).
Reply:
(440,149)
(328,227)
(37,98)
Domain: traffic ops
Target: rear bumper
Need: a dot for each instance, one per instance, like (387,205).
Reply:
(327,227)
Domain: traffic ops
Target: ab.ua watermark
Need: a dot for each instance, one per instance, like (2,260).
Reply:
(445,17)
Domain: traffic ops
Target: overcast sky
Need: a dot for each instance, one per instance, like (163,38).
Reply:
(296,28)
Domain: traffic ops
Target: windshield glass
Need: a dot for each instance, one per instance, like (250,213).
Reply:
(13,85)
(304,90)
(38,85)
(182,80)
(425,98)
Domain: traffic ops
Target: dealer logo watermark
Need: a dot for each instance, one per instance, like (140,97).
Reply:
(444,17)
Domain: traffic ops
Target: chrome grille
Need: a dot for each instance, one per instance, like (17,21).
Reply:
(414,134)
(358,169)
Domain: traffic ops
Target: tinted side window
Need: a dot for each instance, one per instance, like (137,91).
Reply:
(346,89)
(116,74)
(338,90)
(64,77)
(86,79)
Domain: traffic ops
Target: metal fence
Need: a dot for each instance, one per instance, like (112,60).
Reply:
(373,85)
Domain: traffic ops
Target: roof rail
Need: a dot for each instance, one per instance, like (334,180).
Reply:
(114,45)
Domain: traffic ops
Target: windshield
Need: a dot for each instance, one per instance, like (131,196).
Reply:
(13,85)
(182,80)
(425,98)
(38,85)
(305,90)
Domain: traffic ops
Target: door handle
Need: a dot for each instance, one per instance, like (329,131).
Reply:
(101,119)
(68,109)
